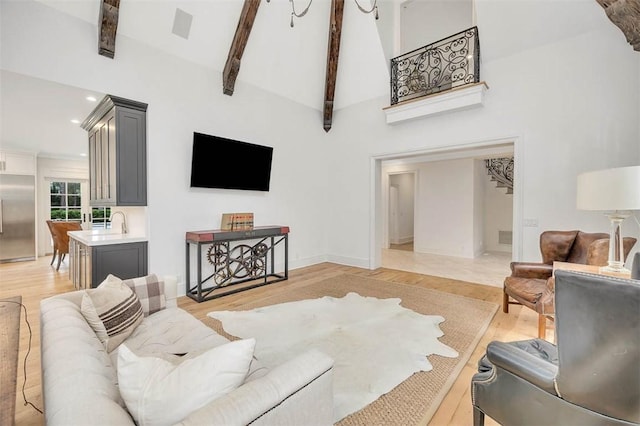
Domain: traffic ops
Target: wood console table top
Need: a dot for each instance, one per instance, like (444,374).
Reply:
(220,235)
(9,345)
(592,269)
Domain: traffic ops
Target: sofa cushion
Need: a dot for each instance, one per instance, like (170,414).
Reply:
(113,311)
(160,392)
(171,331)
(150,291)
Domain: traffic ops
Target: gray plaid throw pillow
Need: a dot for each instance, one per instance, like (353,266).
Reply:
(150,291)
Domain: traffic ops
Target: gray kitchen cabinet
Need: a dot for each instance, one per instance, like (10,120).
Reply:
(117,130)
(90,265)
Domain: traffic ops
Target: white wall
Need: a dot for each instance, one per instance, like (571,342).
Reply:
(424,22)
(406,195)
(387,25)
(498,215)
(479,201)
(564,122)
(446,207)
(183,98)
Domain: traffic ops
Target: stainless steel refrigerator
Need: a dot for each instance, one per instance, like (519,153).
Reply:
(17,218)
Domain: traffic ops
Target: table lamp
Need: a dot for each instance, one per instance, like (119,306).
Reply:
(615,191)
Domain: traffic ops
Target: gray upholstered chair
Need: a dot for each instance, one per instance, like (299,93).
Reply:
(635,267)
(592,375)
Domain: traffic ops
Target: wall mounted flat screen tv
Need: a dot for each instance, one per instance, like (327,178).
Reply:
(229,164)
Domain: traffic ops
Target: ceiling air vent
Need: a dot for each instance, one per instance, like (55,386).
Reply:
(182,24)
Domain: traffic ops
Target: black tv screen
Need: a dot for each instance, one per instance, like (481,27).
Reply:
(225,163)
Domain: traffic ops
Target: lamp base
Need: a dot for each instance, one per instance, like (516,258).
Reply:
(615,263)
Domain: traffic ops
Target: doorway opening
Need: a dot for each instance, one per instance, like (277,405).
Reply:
(463,226)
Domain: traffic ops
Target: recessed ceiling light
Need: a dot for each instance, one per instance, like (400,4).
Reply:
(91,99)
(74,121)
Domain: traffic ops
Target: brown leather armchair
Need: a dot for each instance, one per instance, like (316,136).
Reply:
(531,284)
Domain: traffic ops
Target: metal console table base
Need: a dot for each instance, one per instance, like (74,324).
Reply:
(235,265)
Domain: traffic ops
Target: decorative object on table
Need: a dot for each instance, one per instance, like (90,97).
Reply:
(415,400)
(615,191)
(589,378)
(235,258)
(236,221)
(531,284)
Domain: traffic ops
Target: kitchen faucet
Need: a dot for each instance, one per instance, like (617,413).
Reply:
(124,220)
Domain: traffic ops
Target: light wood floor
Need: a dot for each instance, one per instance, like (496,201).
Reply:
(37,280)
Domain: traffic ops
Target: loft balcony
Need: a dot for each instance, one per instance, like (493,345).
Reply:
(439,77)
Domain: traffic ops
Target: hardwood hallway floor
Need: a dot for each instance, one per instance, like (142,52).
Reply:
(37,280)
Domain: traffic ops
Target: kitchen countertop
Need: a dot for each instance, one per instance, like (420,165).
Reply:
(100,237)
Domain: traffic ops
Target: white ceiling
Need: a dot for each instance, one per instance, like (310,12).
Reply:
(37,114)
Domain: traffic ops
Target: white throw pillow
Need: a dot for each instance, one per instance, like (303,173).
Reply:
(158,392)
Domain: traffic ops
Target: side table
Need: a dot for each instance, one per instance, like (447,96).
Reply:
(592,269)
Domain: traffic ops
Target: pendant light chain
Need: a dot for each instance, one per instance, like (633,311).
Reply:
(301,14)
(295,14)
(374,8)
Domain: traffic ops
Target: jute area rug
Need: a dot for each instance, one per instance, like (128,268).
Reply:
(414,401)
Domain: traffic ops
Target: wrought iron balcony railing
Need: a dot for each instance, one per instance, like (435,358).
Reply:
(451,62)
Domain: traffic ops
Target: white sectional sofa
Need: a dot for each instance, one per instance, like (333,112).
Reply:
(80,379)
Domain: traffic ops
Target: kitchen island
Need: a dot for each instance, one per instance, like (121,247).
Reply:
(97,253)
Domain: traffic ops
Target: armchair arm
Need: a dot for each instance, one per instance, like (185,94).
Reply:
(531,270)
(532,360)
(297,392)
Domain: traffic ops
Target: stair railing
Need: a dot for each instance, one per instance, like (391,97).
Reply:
(501,171)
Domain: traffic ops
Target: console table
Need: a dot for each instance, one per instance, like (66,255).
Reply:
(234,258)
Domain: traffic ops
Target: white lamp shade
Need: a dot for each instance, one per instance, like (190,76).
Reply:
(609,189)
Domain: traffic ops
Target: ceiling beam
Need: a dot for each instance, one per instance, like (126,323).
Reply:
(232,66)
(333,52)
(108,27)
(626,15)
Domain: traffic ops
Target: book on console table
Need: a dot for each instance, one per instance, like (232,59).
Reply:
(236,221)
(223,235)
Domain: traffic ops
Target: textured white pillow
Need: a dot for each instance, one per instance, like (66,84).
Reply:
(158,392)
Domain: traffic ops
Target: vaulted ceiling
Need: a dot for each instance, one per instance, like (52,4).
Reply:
(287,61)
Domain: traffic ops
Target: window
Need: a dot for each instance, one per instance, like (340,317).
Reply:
(65,201)
(100,217)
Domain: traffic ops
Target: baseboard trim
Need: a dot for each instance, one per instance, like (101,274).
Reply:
(348,261)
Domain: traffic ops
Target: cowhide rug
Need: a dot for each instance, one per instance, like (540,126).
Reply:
(376,343)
